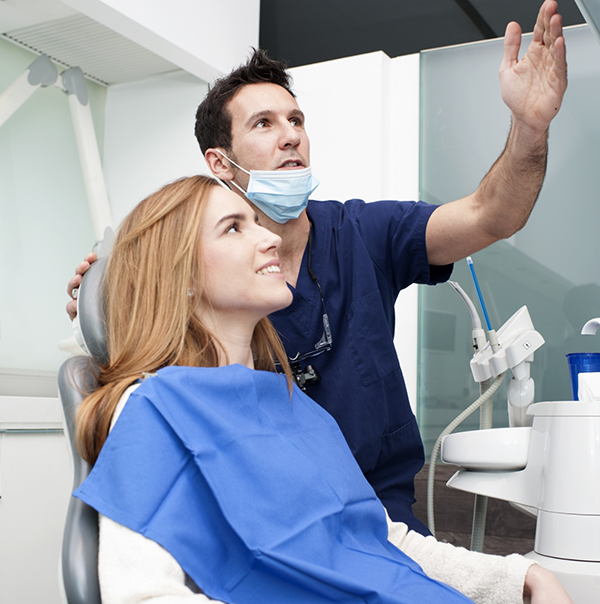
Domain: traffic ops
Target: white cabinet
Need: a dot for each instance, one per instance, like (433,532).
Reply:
(35,485)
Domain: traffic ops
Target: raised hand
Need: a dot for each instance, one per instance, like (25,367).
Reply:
(533,87)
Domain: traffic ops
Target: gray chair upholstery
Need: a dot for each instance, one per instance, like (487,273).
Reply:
(76,377)
(90,311)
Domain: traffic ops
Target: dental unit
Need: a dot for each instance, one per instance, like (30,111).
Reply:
(546,464)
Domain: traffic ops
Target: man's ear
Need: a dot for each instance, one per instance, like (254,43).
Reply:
(218,165)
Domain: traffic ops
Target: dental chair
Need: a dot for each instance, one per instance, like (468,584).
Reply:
(77,377)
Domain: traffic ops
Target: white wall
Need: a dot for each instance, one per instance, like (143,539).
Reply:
(201,36)
(149,137)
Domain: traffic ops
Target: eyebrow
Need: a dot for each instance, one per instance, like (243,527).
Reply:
(235,216)
(269,113)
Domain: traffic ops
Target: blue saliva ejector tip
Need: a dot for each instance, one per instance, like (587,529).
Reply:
(483,308)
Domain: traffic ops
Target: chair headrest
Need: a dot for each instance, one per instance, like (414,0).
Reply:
(90,311)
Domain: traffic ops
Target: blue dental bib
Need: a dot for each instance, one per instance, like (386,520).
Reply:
(256,495)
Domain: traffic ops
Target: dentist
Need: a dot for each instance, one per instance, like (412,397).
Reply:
(346,263)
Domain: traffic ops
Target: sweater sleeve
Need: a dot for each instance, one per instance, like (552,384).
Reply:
(133,568)
(484,578)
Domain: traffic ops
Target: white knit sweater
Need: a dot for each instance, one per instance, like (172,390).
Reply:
(135,569)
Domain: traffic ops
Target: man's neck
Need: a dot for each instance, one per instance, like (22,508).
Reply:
(294,234)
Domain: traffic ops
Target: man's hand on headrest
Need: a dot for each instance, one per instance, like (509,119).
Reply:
(75,282)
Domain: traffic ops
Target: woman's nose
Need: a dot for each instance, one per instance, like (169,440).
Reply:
(269,240)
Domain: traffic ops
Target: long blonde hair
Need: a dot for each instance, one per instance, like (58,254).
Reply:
(150,317)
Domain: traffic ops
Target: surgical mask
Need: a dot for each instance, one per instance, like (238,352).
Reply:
(281,195)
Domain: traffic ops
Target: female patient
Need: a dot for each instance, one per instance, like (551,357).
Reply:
(221,480)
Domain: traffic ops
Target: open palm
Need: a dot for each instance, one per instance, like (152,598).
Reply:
(533,87)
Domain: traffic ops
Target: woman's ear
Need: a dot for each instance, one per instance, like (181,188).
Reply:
(218,164)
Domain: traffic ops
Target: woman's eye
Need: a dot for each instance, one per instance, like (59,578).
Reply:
(234,228)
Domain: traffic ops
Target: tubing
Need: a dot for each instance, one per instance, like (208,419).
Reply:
(475,320)
(487,395)
(481,501)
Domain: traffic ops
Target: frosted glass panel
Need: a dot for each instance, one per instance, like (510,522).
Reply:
(551,265)
(45,227)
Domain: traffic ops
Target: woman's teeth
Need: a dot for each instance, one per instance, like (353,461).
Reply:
(273,268)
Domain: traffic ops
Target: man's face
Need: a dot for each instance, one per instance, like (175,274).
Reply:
(267,130)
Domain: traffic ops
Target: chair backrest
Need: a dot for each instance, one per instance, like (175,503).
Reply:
(90,311)
(76,377)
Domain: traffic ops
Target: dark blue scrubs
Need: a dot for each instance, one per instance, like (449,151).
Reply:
(363,254)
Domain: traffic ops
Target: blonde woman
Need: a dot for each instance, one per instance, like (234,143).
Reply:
(220,480)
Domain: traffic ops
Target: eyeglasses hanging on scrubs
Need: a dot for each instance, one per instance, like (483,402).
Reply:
(309,375)
(281,194)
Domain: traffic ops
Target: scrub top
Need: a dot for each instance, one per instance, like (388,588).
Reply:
(363,255)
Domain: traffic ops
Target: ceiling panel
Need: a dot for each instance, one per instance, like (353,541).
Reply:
(524,12)
(74,40)
(317,30)
(101,53)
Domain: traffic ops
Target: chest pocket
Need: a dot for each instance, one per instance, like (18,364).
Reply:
(371,343)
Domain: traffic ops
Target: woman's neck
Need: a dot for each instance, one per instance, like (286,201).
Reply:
(235,338)
(235,351)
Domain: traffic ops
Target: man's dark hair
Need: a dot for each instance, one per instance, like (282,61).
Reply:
(213,121)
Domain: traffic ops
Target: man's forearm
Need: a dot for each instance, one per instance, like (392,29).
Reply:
(510,189)
(498,208)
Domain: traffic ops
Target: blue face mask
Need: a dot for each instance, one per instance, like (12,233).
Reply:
(281,195)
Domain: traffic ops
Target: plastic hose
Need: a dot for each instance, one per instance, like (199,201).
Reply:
(481,501)
(438,443)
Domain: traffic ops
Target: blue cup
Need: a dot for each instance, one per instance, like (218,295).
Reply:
(581,362)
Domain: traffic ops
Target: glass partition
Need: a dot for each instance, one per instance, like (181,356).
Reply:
(551,265)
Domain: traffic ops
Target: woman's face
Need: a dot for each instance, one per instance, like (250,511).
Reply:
(241,266)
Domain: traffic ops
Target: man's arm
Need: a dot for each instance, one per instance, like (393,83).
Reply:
(533,89)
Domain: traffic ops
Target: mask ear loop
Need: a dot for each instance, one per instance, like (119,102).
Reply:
(232,181)
(238,188)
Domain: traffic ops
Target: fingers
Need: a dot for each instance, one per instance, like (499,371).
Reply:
(548,33)
(547,46)
(548,27)
(542,24)
(512,44)
(80,270)
(91,257)
(75,281)
(72,309)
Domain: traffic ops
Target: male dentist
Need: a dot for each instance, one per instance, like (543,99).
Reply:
(346,263)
